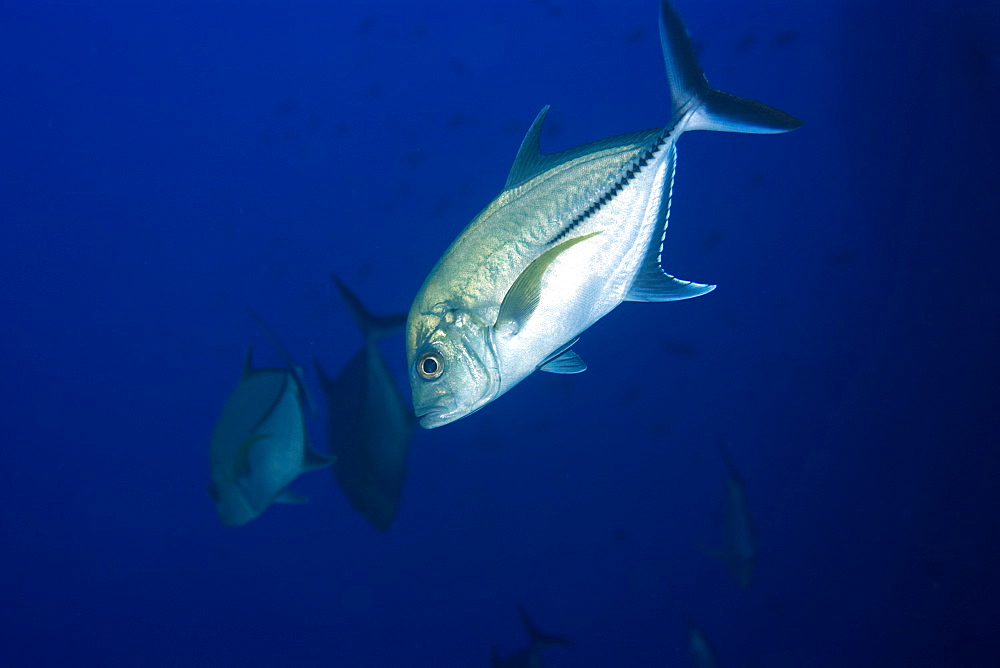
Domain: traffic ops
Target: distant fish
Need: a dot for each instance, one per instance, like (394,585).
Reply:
(699,648)
(530,656)
(739,552)
(369,422)
(260,444)
(571,236)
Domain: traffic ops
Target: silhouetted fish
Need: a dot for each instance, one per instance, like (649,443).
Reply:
(530,656)
(369,422)
(739,552)
(699,649)
(260,444)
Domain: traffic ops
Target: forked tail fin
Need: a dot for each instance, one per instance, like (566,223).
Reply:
(374,327)
(539,639)
(699,105)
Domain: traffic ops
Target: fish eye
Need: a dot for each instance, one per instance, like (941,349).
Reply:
(430,365)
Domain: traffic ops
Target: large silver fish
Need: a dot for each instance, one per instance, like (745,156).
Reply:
(369,423)
(572,235)
(260,444)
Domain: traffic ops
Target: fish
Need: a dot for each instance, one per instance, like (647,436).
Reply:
(530,656)
(369,422)
(739,552)
(571,236)
(260,443)
(700,650)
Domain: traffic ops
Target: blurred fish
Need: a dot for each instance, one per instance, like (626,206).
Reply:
(260,444)
(739,552)
(369,422)
(572,235)
(699,649)
(531,656)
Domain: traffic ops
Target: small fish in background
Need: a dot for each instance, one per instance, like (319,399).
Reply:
(571,236)
(699,649)
(369,424)
(739,552)
(530,656)
(260,444)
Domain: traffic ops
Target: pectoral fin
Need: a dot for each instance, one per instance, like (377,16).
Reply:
(312,461)
(567,362)
(522,298)
(288,496)
(241,467)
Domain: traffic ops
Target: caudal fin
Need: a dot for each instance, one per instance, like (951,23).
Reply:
(730,466)
(703,107)
(372,326)
(539,639)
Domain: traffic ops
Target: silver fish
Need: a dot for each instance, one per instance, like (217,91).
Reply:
(260,445)
(739,552)
(369,423)
(572,235)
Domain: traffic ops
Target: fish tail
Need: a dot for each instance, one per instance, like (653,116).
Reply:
(539,639)
(374,327)
(697,105)
(727,458)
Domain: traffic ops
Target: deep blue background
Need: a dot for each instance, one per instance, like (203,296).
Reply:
(162,164)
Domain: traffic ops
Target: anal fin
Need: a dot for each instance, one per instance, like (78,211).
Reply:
(564,360)
(288,496)
(568,362)
(655,285)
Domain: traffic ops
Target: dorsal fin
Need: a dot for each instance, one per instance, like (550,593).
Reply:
(530,160)
(297,372)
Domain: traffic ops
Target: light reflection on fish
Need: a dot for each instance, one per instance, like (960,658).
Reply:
(571,236)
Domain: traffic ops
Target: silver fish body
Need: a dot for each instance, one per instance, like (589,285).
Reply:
(572,235)
(259,445)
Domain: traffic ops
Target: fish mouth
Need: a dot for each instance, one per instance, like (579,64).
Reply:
(447,412)
(437,416)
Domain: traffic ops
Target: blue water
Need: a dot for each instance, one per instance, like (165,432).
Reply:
(164,164)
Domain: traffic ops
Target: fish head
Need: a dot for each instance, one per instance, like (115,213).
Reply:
(452,364)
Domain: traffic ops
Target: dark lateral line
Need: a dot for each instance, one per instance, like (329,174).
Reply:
(644,158)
